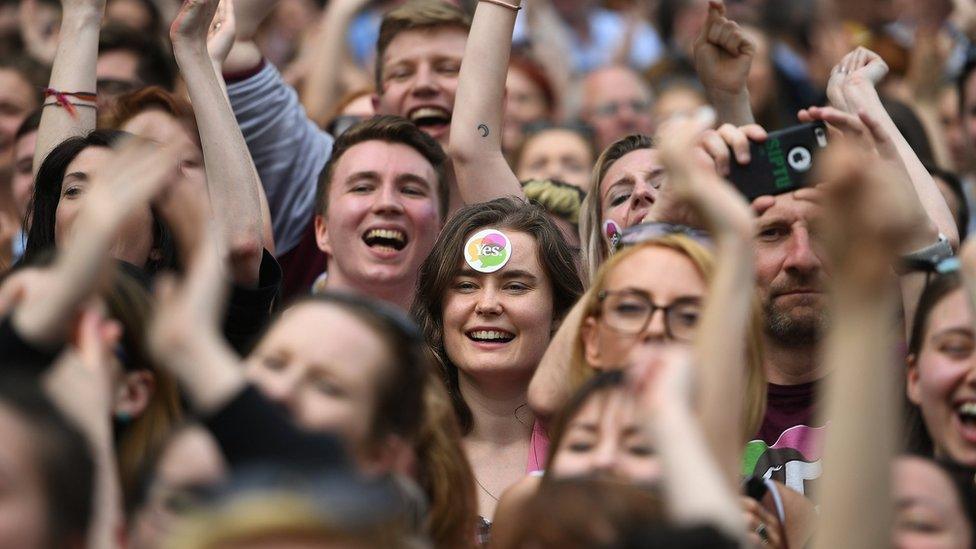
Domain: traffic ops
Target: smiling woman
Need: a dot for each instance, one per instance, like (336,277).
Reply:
(940,374)
(491,293)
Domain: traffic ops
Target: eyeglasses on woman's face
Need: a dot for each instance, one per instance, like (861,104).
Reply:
(630,311)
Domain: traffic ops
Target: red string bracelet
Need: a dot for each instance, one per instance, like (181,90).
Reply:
(62,98)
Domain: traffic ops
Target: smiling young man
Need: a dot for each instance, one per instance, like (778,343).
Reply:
(419,51)
(380,203)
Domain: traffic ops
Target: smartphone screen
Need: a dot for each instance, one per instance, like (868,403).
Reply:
(780,164)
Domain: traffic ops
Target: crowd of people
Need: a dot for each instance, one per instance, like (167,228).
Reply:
(487,273)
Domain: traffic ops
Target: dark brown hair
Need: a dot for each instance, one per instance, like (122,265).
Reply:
(416,15)
(389,129)
(609,380)
(441,266)
(917,437)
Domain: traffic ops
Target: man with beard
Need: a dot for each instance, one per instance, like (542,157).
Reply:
(791,287)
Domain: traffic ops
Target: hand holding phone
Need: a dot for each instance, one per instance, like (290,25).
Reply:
(780,164)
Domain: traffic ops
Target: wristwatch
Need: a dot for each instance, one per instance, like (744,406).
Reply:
(926,259)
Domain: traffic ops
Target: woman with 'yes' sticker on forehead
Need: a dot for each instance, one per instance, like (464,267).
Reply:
(493,290)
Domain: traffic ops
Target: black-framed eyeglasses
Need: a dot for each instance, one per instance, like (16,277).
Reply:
(630,311)
(643,232)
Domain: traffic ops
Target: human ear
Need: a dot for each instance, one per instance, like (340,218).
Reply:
(134,393)
(591,343)
(322,234)
(912,388)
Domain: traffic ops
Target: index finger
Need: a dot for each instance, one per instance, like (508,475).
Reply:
(763,203)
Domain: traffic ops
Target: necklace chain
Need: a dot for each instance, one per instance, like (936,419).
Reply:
(518,419)
(482,486)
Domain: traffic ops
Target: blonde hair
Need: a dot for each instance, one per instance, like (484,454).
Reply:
(560,199)
(266,514)
(593,245)
(704,261)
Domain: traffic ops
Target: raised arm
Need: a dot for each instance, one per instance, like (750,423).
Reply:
(126,183)
(552,382)
(864,69)
(184,338)
(79,383)
(723,331)
(321,91)
(723,55)
(695,491)
(476,126)
(288,149)
(231,177)
(73,72)
(866,218)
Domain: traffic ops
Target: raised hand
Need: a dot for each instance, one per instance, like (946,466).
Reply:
(716,143)
(722,208)
(723,52)
(126,182)
(661,378)
(80,380)
(867,216)
(195,306)
(192,24)
(184,335)
(223,28)
(861,67)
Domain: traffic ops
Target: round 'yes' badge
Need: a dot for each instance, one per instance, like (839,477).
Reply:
(487,250)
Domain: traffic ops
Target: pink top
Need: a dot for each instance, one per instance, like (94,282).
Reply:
(538,449)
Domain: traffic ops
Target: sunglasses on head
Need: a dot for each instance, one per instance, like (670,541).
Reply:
(651,230)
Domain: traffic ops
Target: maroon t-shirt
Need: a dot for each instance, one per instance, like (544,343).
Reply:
(789,444)
(787,406)
(301,265)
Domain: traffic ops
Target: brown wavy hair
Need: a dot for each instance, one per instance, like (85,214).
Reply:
(441,266)
(445,474)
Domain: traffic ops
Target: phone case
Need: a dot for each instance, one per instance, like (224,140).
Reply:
(780,164)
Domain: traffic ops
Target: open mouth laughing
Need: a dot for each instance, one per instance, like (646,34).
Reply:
(385,240)
(431,119)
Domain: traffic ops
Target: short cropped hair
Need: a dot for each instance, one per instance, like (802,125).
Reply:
(389,129)
(416,15)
